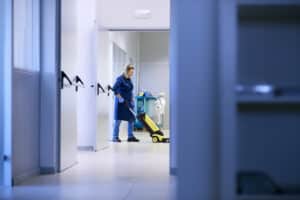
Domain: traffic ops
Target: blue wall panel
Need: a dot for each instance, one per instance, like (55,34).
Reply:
(269,141)
(269,52)
(25,124)
(268,134)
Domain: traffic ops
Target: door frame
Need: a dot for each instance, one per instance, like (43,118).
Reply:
(173,143)
(58,86)
(6,94)
(50,79)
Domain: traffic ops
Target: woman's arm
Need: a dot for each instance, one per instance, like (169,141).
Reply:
(117,90)
(117,87)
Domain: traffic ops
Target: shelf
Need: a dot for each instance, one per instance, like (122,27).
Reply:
(267,197)
(269,2)
(268,124)
(270,11)
(267,100)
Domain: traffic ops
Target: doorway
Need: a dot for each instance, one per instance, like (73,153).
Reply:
(91,60)
(148,52)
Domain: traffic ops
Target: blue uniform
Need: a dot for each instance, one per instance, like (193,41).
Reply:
(124,87)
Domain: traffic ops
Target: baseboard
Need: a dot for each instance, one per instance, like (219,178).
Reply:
(102,148)
(173,171)
(47,170)
(68,167)
(86,148)
(23,177)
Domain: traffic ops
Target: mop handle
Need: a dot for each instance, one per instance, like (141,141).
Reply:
(126,103)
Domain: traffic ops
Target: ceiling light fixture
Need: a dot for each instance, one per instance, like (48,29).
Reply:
(142,14)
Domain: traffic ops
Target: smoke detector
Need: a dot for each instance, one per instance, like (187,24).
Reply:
(142,14)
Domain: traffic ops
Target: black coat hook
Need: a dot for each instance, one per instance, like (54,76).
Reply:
(64,76)
(99,86)
(77,80)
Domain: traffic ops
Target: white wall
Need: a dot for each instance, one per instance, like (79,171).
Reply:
(128,41)
(87,70)
(154,65)
(116,14)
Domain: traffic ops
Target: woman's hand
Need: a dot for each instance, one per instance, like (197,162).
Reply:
(132,103)
(120,98)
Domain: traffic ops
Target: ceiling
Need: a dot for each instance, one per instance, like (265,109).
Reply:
(134,14)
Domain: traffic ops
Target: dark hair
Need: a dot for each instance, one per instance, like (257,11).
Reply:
(129,67)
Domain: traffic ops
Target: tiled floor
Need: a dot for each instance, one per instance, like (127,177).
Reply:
(121,172)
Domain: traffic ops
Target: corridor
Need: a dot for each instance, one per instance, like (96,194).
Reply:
(221,75)
(120,172)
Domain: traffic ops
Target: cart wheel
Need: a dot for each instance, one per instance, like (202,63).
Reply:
(167,140)
(155,139)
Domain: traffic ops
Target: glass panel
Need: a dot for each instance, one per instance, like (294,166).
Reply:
(24,35)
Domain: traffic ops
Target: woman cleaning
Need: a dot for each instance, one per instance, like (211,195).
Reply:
(123,90)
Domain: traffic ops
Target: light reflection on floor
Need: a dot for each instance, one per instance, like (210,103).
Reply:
(123,171)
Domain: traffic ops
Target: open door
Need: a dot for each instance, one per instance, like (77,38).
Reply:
(19,90)
(71,83)
(6,92)
(104,78)
(58,137)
